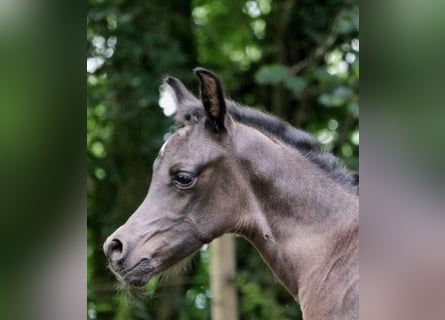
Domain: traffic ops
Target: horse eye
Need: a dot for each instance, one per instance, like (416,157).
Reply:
(183,180)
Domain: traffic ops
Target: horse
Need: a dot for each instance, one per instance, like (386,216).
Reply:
(230,168)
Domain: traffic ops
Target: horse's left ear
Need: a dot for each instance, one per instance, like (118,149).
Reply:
(212,98)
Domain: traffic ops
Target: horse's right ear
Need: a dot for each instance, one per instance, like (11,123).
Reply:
(175,98)
(212,97)
(177,89)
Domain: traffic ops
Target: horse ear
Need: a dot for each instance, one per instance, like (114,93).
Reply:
(175,98)
(180,92)
(212,98)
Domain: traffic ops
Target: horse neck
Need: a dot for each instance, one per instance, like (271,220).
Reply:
(298,217)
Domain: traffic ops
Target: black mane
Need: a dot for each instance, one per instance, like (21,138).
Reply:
(300,140)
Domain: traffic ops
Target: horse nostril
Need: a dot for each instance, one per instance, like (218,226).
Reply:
(115,250)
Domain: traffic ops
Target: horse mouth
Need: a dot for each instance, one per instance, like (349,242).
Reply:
(138,279)
(138,275)
(141,273)
(146,268)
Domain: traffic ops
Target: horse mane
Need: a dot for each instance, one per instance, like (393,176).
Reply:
(305,143)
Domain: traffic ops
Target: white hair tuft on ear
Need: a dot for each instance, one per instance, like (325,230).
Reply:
(167,99)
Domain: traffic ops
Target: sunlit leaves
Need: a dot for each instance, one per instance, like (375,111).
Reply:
(355,137)
(240,46)
(252,8)
(335,63)
(258,28)
(200,15)
(327,137)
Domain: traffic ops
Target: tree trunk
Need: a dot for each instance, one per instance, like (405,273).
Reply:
(222,275)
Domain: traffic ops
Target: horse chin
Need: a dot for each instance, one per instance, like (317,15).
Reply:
(141,273)
(138,277)
(137,280)
(144,271)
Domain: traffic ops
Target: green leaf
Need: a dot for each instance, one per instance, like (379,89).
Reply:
(348,21)
(280,74)
(272,74)
(296,85)
(337,98)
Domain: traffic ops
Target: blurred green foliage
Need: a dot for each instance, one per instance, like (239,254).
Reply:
(296,59)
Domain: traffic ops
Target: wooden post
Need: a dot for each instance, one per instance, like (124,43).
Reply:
(222,275)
